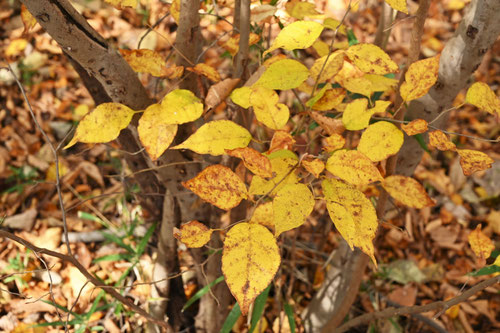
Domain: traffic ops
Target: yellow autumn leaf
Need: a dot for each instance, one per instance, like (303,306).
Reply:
(408,191)
(315,166)
(353,167)
(352,213)
(264,215)
(103,124)
(439,140)
(28,20)
(15,47)
(399,5)
(481,244)
(333,24)
(219,186)
(180,106)
(194,234)
(328,67)
(380,107)
(233,44)
(241,96)
(215,137)
(146,61)
(380,82)
(333,142)
(283,165)
(319,94)
(283,74)
(419,78)
(291,205)
(414,127)
(358,85)
(155,134)
(298,35)
(481,96)
(267,109)
(250,259)
(120,4)
(175,10)
(356,116)
(371,59)
(253,161)
(300,9)
(473,160)
(380,140)
(281,140)
(330,99)
(207,71)
(51,175)
(321,47)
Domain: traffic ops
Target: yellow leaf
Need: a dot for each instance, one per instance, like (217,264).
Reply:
(264,215)
(233,44)
(333,24)
(180,106)
(380,140)
(51,172)
(311,101)
(358,85)
(330,99)
(241,96)
(283,74)
(481,96)
(321,47)
(281,140)
(353,167)
(219,186)
(315,166)
(399,5)
(175,10)
(473,160)
(155,134)
(206,70)
(481,244)
(120,4)
(330,69)
(439,140)
(103,124)
(380,82)
(352,213)
(356,116)
(194,234)
(380,107)
(146,61)
(283,165)
(28,20)
(301,9)
(455,4)
(215,137)
(419,78)
(298,35)
(414,127)
(15,47)
(292,204)
(250,259)
(267,109)
(371,59)
(333,142)
(407,191)
(253,161)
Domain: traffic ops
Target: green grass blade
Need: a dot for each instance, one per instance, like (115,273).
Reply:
(258,308)
(202,292)
(231,319)
(289,313)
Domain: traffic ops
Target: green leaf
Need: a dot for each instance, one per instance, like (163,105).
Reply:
(492,269)
(144,241)
(258,308)
(113,257)
(202,292)
(231,319)
(118,241)
(291,319)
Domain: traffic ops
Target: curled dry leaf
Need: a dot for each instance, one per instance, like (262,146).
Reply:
(330,125)
(314,166)
(253,160)
(205,70)
(218,92)
(281,140)
(481,245)
(440,141)
(194,234)
(473,160)
(414,127)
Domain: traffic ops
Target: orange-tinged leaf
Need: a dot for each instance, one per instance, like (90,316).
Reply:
(297,35)
(15,47)
(291,205)
(333,65)
(253,160)
(219,186)
(380,82)
(356,116)
(283,165)
(481,244)
(175,10)
(352,213)
(206,70)
(371,59)
(28,20)
(330,99)
(311,101)
(215,137)
(155,134)
(267,109)
(120,4)
(399,5)
(283,74)
(407,191)
(180,106)
(281,140)
(250,259)
(264,215)
(103,124)
(300,9)
(333,142)
(473,160)
(219,92)
(330,125)
(353,167)
(419,78)
(414,127)
(439,140)
(241,96)
(194,234)
(146,61)
(380,140)
(481,96)
(315,166)
(232,45)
